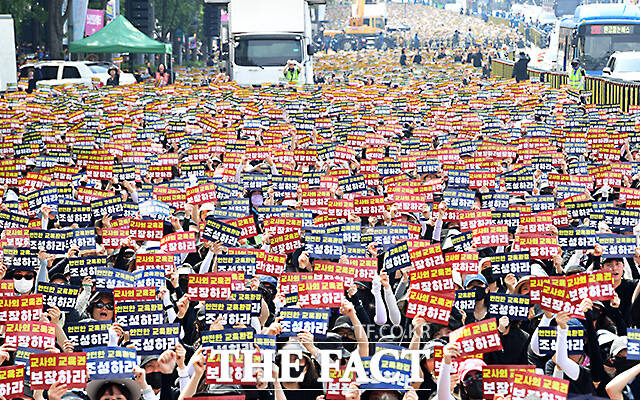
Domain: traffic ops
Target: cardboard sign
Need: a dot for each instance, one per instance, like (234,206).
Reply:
(62,296)
(154,339)
(320,294)
(12,381)
(433,307)
(209,286)
(513,306)
(143,229)
(233,312)
(229,339)
(556,299)
(178,242)
(542,386)
(136,313)
(110,362)
(547,340)
(33,334)
(88,334)
(296,320)
(427,257)
(498,379)
(516,263)
(21,308)
(324,246)
(365,268)
(436,279)
(465,300)
(491,236)
(633,344)
(397,257)
(67,368)
(463,262)
(479,337)
(285,243)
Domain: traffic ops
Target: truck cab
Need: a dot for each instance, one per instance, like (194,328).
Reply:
(264,35)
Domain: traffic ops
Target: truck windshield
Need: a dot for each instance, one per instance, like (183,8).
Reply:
(267,52)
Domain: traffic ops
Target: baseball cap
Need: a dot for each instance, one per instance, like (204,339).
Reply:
(473,278)
(619,344)
(342,322)
(469,365)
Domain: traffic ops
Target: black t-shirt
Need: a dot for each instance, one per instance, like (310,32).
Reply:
(625,292)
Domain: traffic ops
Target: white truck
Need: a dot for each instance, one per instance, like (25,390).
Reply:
(264,35)
(8,75)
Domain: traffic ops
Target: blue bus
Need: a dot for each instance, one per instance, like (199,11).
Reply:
(595,32)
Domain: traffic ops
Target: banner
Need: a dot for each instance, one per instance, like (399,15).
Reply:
(21,308)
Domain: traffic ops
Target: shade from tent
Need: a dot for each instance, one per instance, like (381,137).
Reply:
(119,36)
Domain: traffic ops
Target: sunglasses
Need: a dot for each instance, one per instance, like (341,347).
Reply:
(20,277)
(471,377)
(100,304)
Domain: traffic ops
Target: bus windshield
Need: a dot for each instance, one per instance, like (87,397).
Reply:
(565,7)
(268,52)
(600,41)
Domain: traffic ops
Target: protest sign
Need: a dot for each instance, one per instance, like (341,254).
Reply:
(478,337)
(67,368)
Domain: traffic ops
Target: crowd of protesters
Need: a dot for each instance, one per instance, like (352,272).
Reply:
(490,224)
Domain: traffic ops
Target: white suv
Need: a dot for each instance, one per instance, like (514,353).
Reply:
(623,65)
(53,73)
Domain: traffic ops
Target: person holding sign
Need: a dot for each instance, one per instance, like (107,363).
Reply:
(469,375)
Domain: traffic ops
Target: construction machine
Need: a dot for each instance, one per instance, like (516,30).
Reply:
(366,28)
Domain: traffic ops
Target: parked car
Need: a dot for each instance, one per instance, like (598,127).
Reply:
(58,72)
(623,65)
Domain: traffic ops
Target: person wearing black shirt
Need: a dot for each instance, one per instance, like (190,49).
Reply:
(403,58)
(114,76)
(458,56)
(476,58)
(520,68)
(32,82)
(441,54)
(417,58)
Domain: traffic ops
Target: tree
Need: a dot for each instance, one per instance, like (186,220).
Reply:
(27,14)
(177,14)
(55,23)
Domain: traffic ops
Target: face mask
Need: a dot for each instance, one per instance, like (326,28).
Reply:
(23,285)
(622,364)
(298,373)
(183,284)
(480,293)
(349,343)
(154,379)
(474,390)
(574,65)
(257,200)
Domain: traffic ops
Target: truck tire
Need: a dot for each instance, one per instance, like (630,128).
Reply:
(347,45)
(388,44)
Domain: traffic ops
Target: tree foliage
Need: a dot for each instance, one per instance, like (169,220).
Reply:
(185,15)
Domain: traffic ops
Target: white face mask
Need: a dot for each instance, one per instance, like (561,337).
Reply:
(22,285)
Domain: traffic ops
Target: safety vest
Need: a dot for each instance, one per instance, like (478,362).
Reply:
(575,79)
(291,76)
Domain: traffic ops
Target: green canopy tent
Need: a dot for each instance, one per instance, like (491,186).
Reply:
(120,36)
